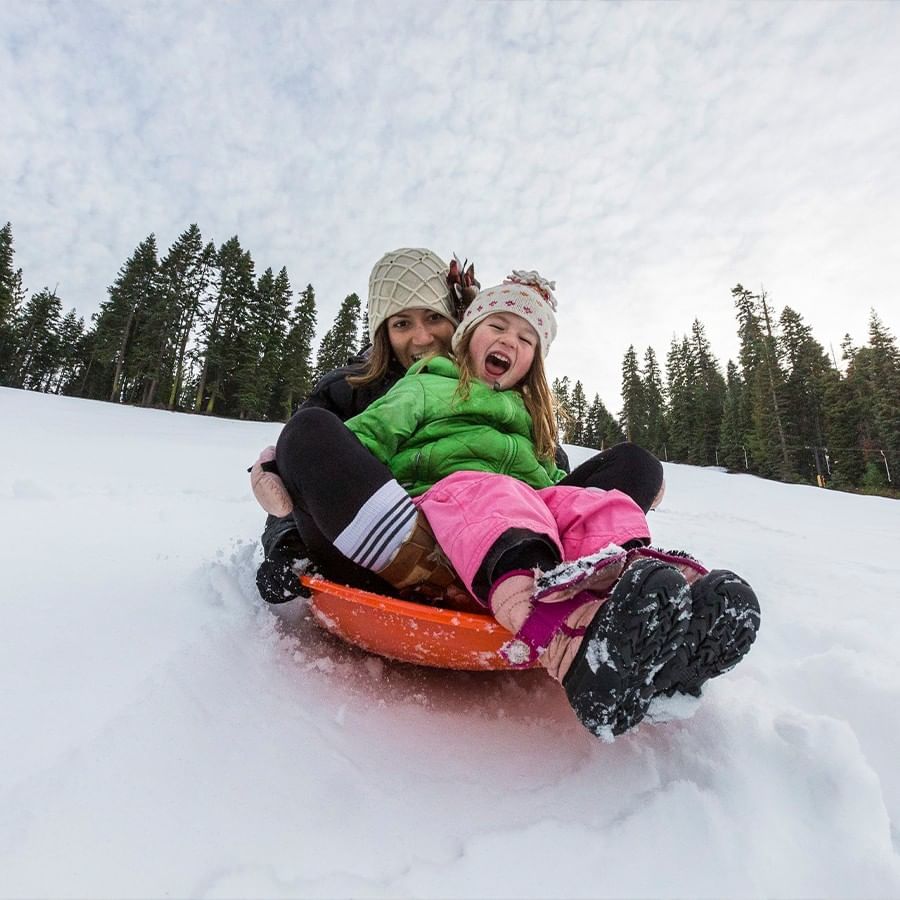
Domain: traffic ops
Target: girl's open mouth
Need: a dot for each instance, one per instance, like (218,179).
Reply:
(496,364)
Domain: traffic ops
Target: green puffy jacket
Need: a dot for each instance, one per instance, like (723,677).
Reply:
(423,431)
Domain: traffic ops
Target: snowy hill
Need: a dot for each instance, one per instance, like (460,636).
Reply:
(164,734)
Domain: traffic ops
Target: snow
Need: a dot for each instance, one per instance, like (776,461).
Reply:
(165,734)
(598,654)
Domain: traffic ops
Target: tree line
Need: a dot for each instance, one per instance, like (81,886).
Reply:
(783,410)
(198,330)
(194,330)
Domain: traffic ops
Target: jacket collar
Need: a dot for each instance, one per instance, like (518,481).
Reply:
(435,365)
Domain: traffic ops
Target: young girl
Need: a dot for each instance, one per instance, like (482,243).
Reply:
(565,569)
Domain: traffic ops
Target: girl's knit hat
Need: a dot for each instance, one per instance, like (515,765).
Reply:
(409,278)
(523,293)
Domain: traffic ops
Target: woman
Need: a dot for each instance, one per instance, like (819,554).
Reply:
(413,305)
(411,314)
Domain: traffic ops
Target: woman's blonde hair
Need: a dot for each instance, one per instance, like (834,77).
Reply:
(534,390)
(377,361)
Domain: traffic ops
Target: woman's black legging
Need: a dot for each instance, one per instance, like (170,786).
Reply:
(330,476)
(622,467)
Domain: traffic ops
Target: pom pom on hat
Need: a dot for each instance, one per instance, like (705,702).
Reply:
(523,293)
(463,283)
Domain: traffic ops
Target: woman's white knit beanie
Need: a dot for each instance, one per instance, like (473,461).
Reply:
(408,278)
(523,293)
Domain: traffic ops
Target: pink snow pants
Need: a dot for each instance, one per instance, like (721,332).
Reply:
(469,511)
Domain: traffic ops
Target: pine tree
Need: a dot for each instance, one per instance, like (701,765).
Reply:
(651,379)
(843,415)
(12,297)
(71,335)
(37,348)
(591,436)
(135,352)
(764,380)
(886,365)
(296,376)
(578,410)
(186,273)
(707,395)
(262,345)
(153,347)
(602,430)
(6,275)
(848,420)
(363,331)
(734,425)
(875,372)
(88,377)
(222,347)
(612,431)
(808,372)
(111,371)
(634,408)
(340,341)
(679,411)
(561,406)
(774,381)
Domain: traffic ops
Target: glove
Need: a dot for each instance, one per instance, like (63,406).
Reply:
(267,486)
(277,578)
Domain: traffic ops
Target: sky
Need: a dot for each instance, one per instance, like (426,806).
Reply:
(647,157)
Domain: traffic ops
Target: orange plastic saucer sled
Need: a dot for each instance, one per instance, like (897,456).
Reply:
(406,631)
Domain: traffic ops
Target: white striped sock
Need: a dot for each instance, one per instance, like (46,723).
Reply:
(382,524)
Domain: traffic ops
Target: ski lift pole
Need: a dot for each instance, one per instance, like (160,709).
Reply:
(886,467)
(716,451)
(746,463)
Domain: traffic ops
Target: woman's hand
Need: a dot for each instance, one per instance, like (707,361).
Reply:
(268,488)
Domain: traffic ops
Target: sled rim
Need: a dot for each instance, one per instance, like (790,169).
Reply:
(437,615)
(408,631)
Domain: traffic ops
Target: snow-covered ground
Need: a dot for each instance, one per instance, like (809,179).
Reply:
(162,733)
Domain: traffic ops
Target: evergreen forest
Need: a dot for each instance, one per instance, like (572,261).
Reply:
(197,329)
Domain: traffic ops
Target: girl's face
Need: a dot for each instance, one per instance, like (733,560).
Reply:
(415,333)
(502,349)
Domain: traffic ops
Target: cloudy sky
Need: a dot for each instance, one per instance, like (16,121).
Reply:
(646,156)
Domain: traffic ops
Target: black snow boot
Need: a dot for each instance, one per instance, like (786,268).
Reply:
(639,629)
(724,622)
(277,578)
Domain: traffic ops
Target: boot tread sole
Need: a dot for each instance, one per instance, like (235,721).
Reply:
(639,630)
(720,634)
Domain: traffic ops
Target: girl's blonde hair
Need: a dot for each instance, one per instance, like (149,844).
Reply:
(534,390)
(377,362)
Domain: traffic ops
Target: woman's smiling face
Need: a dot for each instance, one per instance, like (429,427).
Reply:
(502,349)
(415,333)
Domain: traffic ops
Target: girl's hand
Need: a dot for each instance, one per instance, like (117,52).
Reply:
(268,488)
